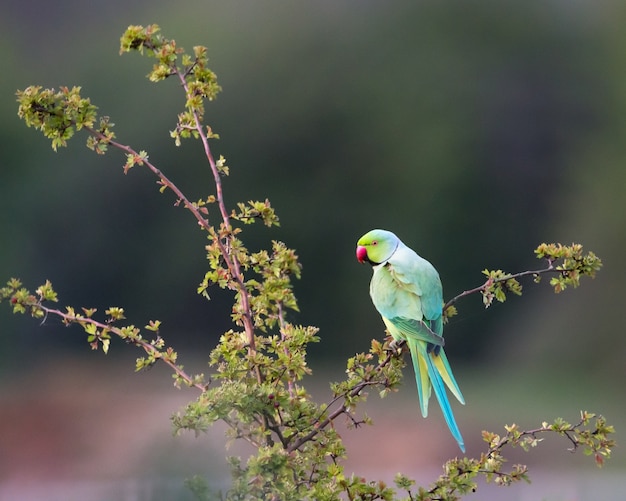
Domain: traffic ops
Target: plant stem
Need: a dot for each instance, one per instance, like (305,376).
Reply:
(146,345)
(491,281)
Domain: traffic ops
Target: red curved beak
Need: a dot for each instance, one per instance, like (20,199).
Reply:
(361,254)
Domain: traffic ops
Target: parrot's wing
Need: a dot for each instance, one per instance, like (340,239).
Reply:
(417,276)
(416,330)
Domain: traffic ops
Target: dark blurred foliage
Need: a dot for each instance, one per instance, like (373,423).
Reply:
(473,129)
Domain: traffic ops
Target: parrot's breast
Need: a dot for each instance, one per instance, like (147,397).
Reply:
(391,298)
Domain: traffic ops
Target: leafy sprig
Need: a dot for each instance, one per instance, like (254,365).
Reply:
(567,263)
(99,331)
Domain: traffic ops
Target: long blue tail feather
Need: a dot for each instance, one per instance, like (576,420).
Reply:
(426,376)
(444,403)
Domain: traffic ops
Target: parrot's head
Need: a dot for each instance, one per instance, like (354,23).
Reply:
(376,246)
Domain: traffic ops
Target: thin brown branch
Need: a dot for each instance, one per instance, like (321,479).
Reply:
(232,263)
(230,260)
(202,221)
(491,281)
(355,391)
(509,438)
(281,322)
(145,345)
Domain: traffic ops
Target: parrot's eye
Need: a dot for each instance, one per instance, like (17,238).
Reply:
(375,242)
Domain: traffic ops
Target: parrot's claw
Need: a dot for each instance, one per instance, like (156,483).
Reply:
(395,346)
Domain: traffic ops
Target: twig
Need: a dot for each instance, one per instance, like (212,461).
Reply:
(281,323)
(355,391)
(489,282)
(230,260)
(147,346)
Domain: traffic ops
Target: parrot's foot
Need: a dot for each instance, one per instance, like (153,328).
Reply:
(396,346)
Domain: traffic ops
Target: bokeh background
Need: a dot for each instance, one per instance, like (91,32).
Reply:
(473,129)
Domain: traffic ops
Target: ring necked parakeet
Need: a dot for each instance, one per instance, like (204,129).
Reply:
(406,290)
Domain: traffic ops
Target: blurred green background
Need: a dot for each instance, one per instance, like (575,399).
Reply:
(473,129)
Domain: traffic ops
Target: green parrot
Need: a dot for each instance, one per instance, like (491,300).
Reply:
(406,290)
